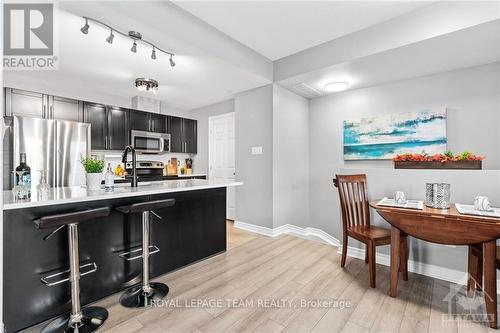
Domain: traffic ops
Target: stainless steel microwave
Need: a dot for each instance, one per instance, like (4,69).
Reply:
(150,142)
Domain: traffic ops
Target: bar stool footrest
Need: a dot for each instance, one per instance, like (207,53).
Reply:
(55,279)
(137,253)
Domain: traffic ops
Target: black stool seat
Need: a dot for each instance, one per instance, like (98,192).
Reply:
(79,320)
(145,294)
(146,206)
(58,220)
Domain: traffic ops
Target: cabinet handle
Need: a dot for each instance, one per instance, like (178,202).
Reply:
(51,111)
(110,142)
(44,111)
(105,142)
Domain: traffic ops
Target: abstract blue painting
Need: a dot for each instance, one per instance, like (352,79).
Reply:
(384,137)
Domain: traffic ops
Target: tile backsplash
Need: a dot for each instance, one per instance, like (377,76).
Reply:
(115,158)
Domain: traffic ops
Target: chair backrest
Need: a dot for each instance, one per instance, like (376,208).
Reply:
(353,195)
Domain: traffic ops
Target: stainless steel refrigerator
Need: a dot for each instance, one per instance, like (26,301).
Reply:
(54,146)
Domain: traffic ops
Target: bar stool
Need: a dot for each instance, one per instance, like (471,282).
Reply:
(88,319)
(141,296)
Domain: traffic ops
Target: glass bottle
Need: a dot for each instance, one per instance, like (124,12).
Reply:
(43,188)
(109,179)
(24,171)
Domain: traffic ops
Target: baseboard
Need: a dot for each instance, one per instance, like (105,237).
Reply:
(289,229)
(429,270)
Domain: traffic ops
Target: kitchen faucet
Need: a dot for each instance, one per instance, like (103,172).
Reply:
(131,149)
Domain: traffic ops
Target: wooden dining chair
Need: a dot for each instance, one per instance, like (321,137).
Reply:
(353,195)
(475,267)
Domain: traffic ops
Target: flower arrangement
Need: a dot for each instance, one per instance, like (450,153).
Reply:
(443,158)
(92,165)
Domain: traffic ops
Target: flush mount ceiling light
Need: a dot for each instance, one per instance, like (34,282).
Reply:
(336,86)
(134,35)
(143,84)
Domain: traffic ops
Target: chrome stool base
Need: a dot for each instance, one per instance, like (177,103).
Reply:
(93,317)
(135,297)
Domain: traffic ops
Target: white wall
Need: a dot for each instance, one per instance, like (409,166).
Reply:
(201,115)
(472,97)
(290,158)
(254,127)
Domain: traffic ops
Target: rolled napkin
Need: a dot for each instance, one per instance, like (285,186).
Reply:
(482,203)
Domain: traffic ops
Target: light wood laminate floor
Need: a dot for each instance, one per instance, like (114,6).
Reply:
(257,271)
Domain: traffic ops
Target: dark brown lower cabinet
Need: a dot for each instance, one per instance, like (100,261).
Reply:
(193,229)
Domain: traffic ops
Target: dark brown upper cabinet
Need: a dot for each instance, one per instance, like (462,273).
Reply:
(118,133)
(146,121)
(184,135)
(109,126)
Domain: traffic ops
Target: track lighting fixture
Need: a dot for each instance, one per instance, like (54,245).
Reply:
(85,28)
(134,35)
(110,38)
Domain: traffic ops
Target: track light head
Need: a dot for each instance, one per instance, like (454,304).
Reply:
(85,28)
(134,47)
(153,54)
(172,63)
(110,38)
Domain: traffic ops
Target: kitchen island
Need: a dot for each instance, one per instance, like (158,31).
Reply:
(192,230)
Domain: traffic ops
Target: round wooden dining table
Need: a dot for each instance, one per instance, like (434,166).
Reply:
(445,226)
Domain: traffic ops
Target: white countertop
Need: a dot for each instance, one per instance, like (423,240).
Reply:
(63,195)
(179,176)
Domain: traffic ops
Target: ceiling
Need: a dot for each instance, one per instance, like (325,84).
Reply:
(213,67)
(431,56)
(277,29)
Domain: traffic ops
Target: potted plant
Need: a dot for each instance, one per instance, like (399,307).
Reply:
(464,160)
(93,168)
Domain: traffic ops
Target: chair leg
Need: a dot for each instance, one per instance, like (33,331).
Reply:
(366,253)
(403,265)
(344,251)
(475,269)
(371,263)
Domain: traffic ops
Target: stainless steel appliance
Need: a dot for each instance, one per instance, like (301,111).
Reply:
(150,142)
(147,170)
(54,146)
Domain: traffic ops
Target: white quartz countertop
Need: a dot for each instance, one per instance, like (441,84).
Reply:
(63,195)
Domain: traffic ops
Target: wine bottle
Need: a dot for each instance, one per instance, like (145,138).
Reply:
(26,173)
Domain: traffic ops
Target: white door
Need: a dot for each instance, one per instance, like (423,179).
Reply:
(221,155)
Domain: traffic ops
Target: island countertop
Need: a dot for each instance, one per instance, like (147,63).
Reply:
(63,195)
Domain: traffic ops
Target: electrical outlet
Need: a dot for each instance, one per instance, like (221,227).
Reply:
(257,150)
